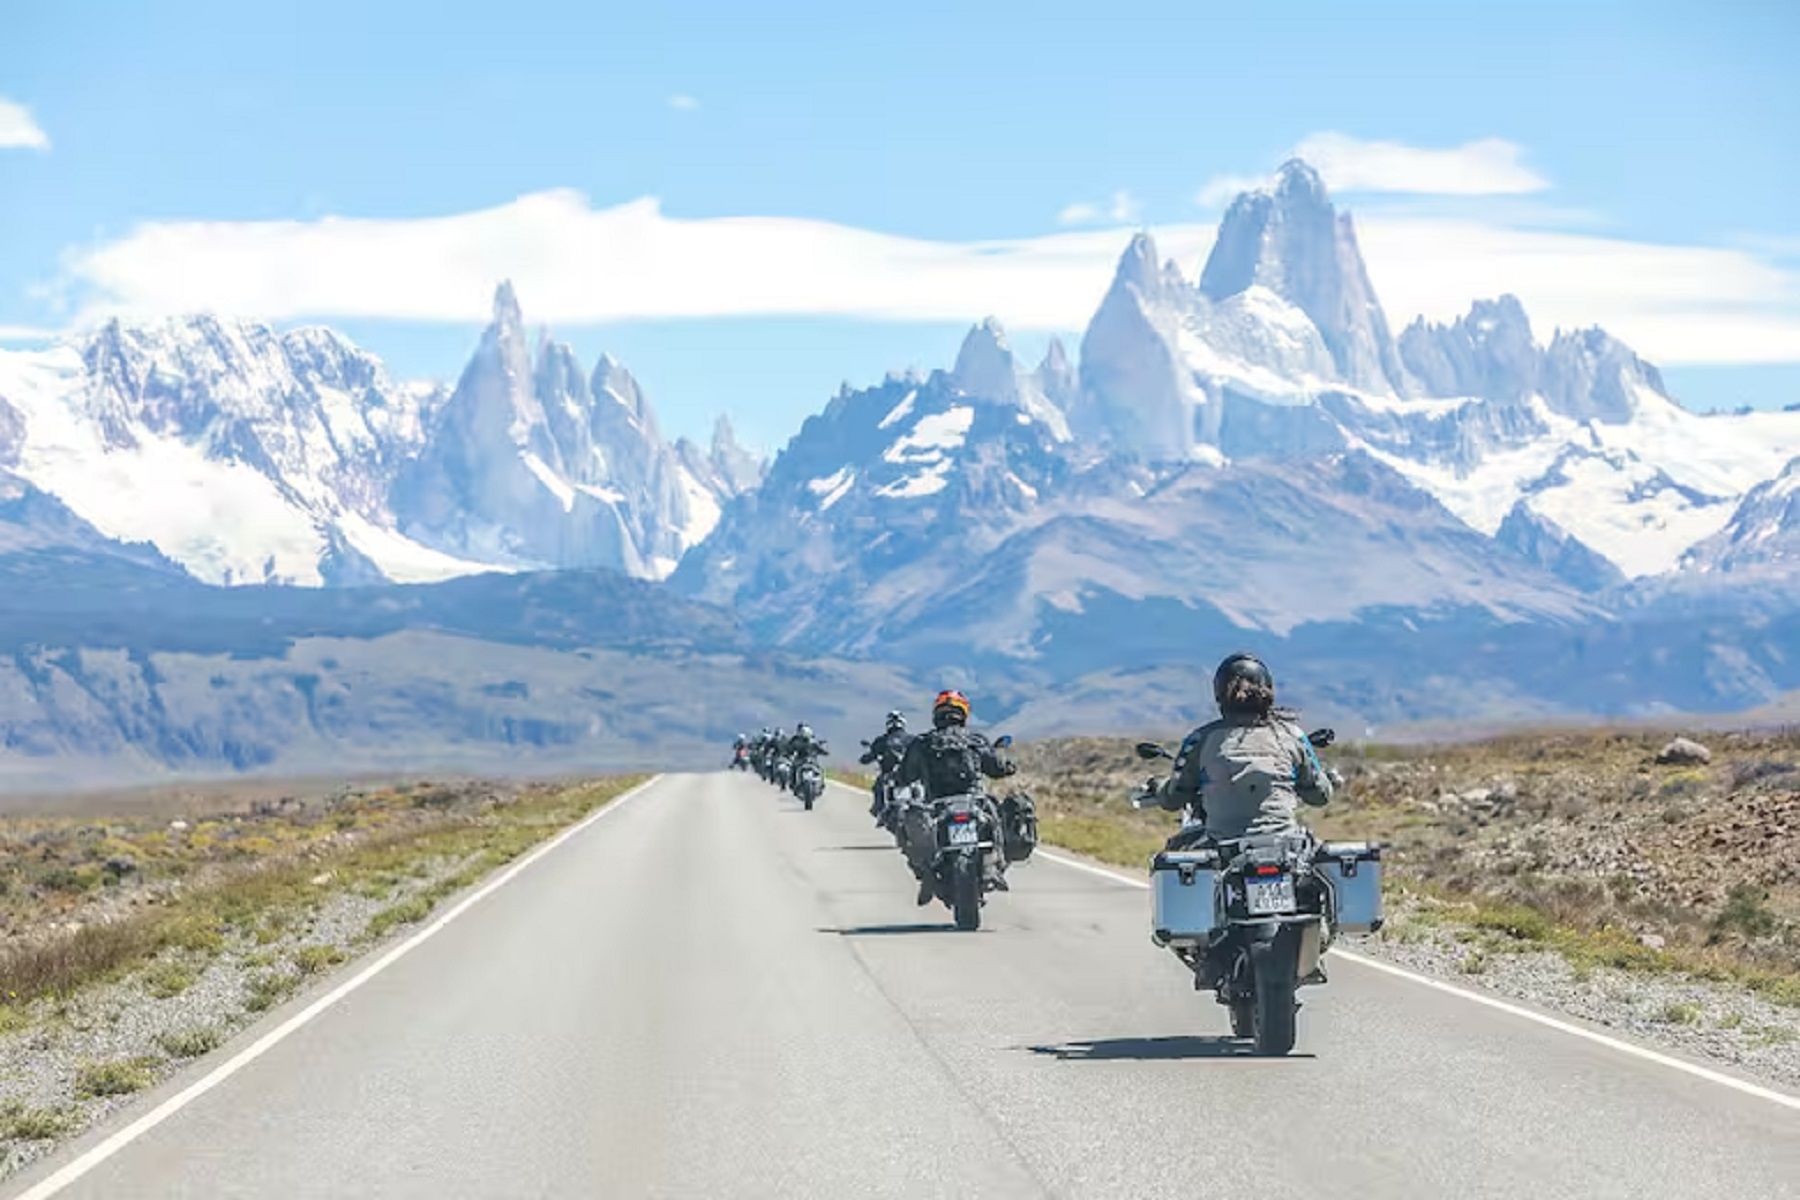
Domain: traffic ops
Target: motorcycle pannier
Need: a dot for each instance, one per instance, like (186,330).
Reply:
(1019,816)
(1184,896)
(1353,871)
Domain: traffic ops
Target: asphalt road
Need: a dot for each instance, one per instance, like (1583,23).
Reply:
(712,993)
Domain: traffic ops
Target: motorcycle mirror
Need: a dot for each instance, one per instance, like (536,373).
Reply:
(1150,750)
(1004,742)
(1321,738)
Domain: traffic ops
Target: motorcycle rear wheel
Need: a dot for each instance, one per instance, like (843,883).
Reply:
(965,892)
(1273,1011)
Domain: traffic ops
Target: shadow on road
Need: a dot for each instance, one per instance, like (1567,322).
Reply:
(1157,1049)
(889,846)
(889,930)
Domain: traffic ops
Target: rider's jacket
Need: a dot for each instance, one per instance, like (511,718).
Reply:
(951,762)
(1246,775)
(801,746)
(889,750)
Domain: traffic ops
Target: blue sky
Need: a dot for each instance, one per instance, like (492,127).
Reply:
(1640,162)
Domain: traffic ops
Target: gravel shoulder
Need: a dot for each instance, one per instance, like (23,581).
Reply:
(1731,1026)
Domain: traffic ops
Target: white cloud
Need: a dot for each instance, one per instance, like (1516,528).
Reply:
(1122,209)
(683,103)
(1489,167)
(575,264)
(25,333)
(18,129)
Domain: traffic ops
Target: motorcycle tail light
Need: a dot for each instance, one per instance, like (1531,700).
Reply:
(1268,870)
(960,818)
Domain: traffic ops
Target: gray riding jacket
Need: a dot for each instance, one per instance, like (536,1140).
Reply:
(1246,775)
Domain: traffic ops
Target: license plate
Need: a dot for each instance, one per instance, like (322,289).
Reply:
(964,835)
(1263,896)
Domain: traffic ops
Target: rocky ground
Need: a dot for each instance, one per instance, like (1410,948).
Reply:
(1588,872)
(113,975)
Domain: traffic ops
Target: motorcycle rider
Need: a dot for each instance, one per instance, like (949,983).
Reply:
(887,751)
(804,747)
(949,760)
(805,743)
(778,741)
(1247,772)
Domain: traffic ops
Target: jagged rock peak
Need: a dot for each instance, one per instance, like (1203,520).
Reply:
(507,314)
(1291,240)
(740,468)
(985,365)
(1590,375)
(610,376)
(1296,178)
(1139,264)
(1489,353)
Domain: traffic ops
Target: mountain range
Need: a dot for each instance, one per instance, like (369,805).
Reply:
(1460,520)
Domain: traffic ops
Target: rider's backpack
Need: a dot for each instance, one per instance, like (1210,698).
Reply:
(954,759)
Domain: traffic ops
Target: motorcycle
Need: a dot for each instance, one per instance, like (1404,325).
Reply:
(883,807)
(968,856)
(1252,917)
(809,781)
(782,773)
(740,759)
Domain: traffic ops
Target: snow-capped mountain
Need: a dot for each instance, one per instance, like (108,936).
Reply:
(533,463)
(1248,453)
(250,455)
(944,519)
(1763,535)
(1281,350)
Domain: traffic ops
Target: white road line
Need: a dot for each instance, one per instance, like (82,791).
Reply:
(1785,1099)
(268,1041)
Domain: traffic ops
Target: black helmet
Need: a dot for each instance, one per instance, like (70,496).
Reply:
(1243,684)
(896,720)
(803,730)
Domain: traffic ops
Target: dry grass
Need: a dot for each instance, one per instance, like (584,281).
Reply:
(23,1123)
(84,901)
(118,1078)
(190,1043)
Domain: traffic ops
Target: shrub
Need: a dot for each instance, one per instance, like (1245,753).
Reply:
(121,1077)
(1747,912)
(1679,1013)
(267,990)
(190,1043)
(21,1123)
(166,979)
(406,912)
(316,960)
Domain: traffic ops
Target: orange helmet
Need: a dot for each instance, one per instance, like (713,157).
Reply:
(950,702)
